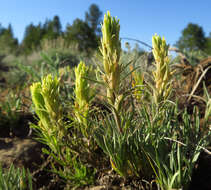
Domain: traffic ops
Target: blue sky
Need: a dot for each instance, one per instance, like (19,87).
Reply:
(139,19)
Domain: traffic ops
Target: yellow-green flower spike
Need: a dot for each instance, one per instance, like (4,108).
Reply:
(50,92)
(110,50)
(162,75)
(39,104)
(83,93)
(45,97)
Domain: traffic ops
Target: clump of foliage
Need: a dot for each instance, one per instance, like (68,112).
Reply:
(142,138)
(53,132)
(15,179)
(10,110)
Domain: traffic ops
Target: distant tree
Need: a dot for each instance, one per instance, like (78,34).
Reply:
(34,35)
(193,38)
(57,27)
(32,38)
(52,28)
(8,43)
(80,33)
(93,18)
(208,44)
(1,29)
